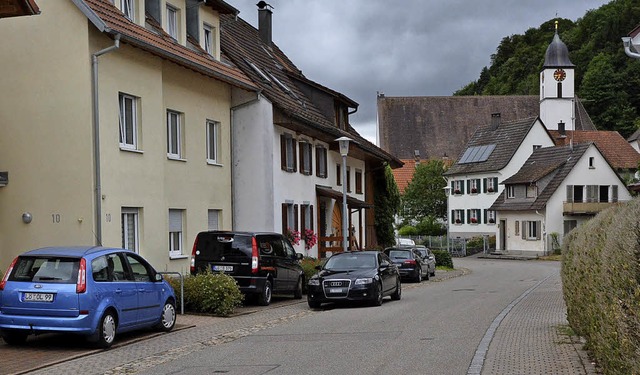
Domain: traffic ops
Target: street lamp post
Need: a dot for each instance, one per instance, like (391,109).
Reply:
(446,193)
(344,151)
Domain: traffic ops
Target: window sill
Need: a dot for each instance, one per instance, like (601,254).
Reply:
(176,158)
(135,151)
(214,163)
(178,257)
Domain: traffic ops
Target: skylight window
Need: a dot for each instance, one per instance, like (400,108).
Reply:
(258,71)
(475,154)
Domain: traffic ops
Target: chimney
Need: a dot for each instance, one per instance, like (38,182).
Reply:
(264,21)
(561,129)
(416,157)
(495,120)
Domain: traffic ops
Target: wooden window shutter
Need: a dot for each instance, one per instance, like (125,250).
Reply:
(485,215)
(303,214)
(569,193)
(614,193)
(524,229)
(318,162)
(462,187)
(469,185)
(283,152)
(294,145)
(284,218)
(484,185)
(311,217)
(301,157)
(452,187)
(539,229)
(295,217)
(453,216)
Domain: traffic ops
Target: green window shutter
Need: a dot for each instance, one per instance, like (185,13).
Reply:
(469,186)
(614,193)
(453,216)
(462,187)
(484,185)
(452,187)
(485,215)
(524,229)
(295,217)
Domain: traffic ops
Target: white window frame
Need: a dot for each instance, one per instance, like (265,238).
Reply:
(458,215)
(458,185)
(291,216)
(491,215)
(511,191)
(128,123)
(174,139)
(532,227)
(474,183)
(306,211)
(172,21)
(213,144)
(176,228)
(490,185)
(474,214)
(130,217)
(127,7)
(209,34)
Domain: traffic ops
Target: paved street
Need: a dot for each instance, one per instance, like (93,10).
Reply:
(501,316)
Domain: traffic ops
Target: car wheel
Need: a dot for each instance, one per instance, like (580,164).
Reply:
(297,293)
(426,276)
(106,330)
(168,317)
(418,276)
(434,272)
(398,293)
(314,304)
(14,337)
(378,300)
(264,298)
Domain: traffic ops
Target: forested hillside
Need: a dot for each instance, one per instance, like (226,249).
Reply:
(607,80)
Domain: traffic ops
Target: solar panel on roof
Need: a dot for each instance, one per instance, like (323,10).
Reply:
(476,154)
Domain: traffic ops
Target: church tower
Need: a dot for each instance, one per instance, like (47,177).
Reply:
(557,93)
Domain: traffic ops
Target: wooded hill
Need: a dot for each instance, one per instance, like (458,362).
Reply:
(607,80)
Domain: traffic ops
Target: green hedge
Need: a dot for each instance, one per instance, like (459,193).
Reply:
(309,267)
(213,293)
(443,258)
(601,285)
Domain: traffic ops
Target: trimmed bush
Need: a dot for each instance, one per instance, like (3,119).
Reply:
(309,267)
(443,258)
(212,293)
(601,285)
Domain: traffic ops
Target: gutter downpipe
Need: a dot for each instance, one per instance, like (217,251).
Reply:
(626,41)
(96,136)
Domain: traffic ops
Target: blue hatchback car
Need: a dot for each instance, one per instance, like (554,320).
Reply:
(96,292)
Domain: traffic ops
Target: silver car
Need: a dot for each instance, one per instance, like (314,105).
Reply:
(428,258)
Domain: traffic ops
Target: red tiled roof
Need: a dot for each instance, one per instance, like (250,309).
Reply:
(161,44)
(618,152)
(404,174)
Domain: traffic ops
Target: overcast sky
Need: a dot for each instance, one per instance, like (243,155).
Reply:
(400,47)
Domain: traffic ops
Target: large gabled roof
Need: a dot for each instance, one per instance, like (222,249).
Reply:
(557,161)
(618,152)
(278,79)
(506,138)
(110,20)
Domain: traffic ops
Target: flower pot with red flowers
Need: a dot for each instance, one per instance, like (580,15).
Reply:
(457,191)
(458,221)
(490,190)
(474,191)
(474,220)
(492,221)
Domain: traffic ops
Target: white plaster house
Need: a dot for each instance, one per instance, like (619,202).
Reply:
(557,189)
(286,164)
(117,127)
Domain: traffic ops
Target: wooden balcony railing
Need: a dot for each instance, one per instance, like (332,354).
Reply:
(585,208)
(334,245)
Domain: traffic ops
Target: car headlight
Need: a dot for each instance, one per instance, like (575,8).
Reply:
(314,282)
(367,280)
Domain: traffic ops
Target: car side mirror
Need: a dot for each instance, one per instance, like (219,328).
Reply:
(318,267)
(299,256)
(158,277)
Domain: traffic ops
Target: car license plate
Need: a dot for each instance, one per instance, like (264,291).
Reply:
(38,297)
(222,268)
(335,290)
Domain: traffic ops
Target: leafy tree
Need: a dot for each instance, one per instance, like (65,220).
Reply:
(387,203)
(425,196)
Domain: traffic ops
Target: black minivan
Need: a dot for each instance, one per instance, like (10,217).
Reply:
(262,263)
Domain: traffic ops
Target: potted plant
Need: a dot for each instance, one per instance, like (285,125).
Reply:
(474,220)
(492,221)
(309,238)
(293,236)
(490,190)
(458,221)
(474,191)
(457,191)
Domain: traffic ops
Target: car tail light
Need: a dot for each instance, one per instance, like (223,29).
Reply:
(6,275)
(81,285)
(410,261)
(193,255)
(254,255)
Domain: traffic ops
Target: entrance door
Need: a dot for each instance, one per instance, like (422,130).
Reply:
(503,235)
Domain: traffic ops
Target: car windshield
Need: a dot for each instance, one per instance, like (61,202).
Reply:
(351,262)
(399,254)
(49,269)
(423,252)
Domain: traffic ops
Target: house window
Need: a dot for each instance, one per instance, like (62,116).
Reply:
(535,147)
(575,193)
(212,141)
(532,191)
(490,184)
(321,161)
(559,89)
(289,217)
(213,219)
(473,216)
(172,21)
(209,34)
(569,225)
(126,6)
(174,138)
(457,216)
(511,191)
(531,230)
(473,186)
(287,153)
(592,162)
(457,187)
(306,154)
(338,175)
(306,216)
(349,179)
(129,217)
(175,232)
(128,121)
(358,181)
(489,216)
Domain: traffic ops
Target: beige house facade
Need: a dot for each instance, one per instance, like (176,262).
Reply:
(135,156)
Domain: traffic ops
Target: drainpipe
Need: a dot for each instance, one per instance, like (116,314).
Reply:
(96,136)
(626,41)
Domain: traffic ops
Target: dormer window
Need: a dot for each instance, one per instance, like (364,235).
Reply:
(208,39)
(126,6)
(511,191)
(172,22)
